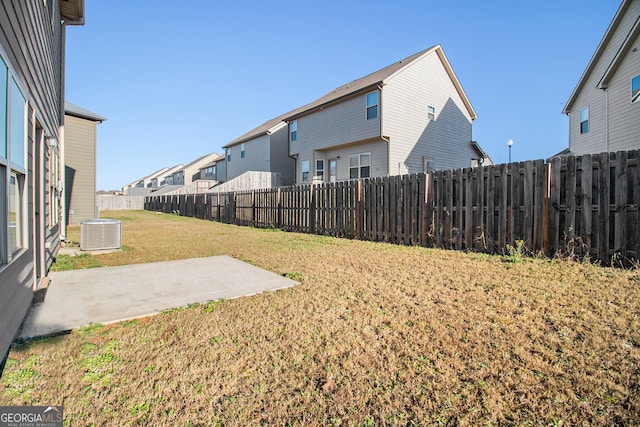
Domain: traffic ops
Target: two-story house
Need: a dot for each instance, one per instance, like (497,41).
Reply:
(604,108)
(262,149)
(80,163)
(190,172)
(412,116)
(31,149)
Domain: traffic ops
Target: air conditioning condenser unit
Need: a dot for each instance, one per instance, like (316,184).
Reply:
(98,234)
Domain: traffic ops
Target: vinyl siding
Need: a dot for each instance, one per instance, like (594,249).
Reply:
(80,169)
(280,160)
(590,96)
(257,157)
(405,98)
(31,47)
(333,128)
(624,117)
(378,150)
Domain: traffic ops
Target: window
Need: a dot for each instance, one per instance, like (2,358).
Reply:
(305,170)
(15,212)
(372,105)
(242,150)
(431,112)
(635,89)
(320,170)
(3,109)
(584,120)
(293,130)
(17,123)
(428,165)
(360,166)
(228,150)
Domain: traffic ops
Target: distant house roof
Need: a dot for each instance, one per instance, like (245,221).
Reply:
(195,162)
(626,45)
(74,110)
(267,128)
(378,78)
(212,162)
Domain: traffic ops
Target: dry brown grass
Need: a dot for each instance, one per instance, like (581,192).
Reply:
(375,335)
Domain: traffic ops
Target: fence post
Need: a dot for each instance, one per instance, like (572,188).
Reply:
(359,216)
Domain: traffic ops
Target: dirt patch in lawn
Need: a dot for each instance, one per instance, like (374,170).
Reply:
(376,334)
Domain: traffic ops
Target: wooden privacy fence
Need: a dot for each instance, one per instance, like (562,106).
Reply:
(579,206)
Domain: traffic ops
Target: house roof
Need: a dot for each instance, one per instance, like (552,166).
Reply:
(377,78)
(196,161)
(355,87)
(72,12)
(212,162)
(73,110)
(266,128)
(608,35)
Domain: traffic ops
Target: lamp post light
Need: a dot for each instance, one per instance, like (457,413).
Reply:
(510,143)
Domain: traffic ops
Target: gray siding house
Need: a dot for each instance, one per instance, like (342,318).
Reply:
(604,108)
(190,172)
(412,116)
(80,163)
(31,149)
(263,149)
(215,170)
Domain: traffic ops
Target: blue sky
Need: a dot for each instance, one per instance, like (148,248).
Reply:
(176,83)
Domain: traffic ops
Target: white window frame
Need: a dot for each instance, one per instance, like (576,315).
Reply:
(358,165)
(293,131)
(431,113)
(320,170)
(242,153)
(581,120)
(635,84)
(228,150)
(304,168)
(371,106)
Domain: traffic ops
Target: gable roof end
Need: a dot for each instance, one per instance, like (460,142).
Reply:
(626,46)
(377,78)
(597,54)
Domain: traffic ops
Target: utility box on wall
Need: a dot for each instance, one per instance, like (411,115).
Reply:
(98,234)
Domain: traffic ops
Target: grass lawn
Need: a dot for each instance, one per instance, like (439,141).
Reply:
(376,334)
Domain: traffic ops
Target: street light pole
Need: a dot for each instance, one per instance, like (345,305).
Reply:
(510,143)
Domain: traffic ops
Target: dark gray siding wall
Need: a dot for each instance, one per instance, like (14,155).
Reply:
(31,46)
(280,160)
(80,169)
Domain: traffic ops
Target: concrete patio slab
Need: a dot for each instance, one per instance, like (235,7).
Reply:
(110,294)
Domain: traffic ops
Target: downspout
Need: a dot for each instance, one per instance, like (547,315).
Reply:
(606,115)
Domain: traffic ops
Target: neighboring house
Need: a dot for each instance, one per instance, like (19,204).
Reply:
(31,149)
(79,163)
(263,149)
(214,170)
(161,179)
(412,116)
(604,108)
(190,172)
